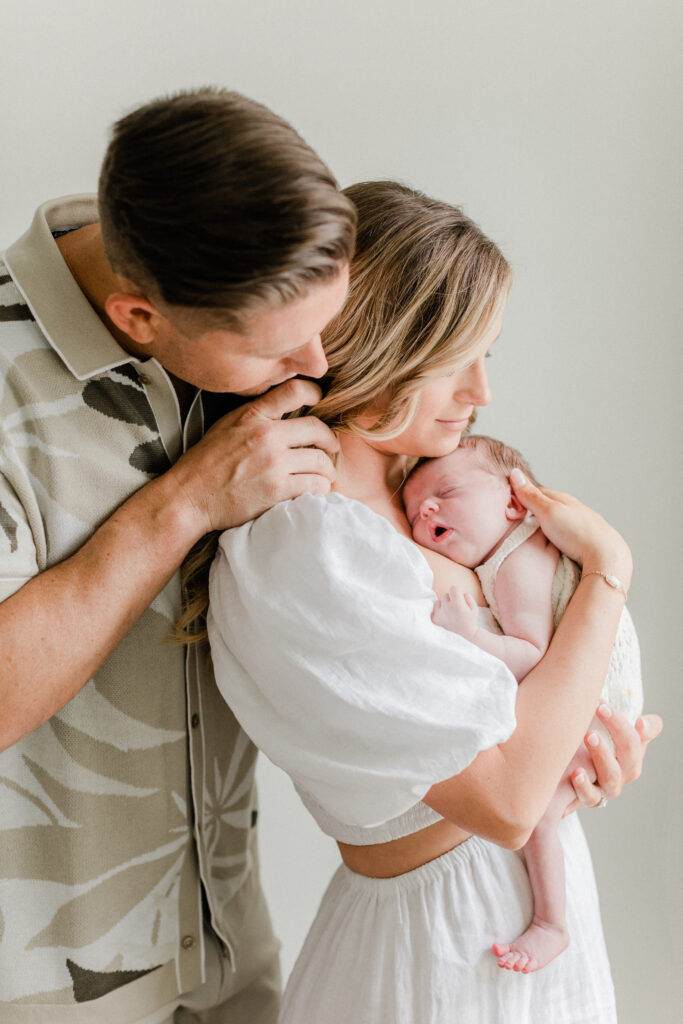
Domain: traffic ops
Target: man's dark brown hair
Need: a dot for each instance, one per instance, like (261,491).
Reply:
(212,203)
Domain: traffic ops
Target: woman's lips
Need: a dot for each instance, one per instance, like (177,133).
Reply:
(454,425)
(439,533)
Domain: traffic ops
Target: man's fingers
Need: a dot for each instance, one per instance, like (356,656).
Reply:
(307,483)
(305,461)
(308,432)
(286,397)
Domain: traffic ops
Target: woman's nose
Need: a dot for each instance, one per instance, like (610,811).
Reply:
(474,389)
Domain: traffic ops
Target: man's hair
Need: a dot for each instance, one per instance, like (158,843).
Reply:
(211,203)
(426,284)
(499,458)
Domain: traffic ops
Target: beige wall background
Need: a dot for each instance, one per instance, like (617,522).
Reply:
(557,126)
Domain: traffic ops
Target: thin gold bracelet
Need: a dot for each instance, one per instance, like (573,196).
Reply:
(612,581)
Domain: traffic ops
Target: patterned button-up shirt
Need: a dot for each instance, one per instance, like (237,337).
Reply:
(115,810)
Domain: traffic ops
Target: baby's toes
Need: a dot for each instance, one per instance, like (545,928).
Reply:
(508,960)
(522,962)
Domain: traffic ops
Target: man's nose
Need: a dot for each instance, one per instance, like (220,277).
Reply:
(311,361)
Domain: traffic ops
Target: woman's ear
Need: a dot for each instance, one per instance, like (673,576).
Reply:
(135,315)
(515,509)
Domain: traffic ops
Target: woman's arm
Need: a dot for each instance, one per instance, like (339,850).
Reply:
(504,792)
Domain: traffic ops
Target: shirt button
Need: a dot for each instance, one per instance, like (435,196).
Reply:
(188,942)
(144,379)
(194,721)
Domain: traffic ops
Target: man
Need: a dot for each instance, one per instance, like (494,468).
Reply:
(127,843)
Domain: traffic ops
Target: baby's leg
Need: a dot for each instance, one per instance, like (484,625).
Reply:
(547,935)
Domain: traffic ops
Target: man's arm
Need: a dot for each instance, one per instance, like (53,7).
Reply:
(60,627)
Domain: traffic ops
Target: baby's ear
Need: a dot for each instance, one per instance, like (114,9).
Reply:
(515,509)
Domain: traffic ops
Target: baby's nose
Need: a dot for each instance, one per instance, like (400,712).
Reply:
(428,506)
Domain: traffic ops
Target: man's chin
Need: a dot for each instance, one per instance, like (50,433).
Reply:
(252,392)
(261,389)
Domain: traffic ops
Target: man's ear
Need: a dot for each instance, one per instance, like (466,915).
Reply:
(515,509)
(135,315)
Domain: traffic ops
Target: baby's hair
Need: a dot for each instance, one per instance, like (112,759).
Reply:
(499,457)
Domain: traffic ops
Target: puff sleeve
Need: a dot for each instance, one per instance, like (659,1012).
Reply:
(323,646)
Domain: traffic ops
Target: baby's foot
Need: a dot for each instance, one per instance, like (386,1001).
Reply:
(539,944)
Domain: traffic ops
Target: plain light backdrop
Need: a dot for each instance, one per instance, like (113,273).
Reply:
(557,126)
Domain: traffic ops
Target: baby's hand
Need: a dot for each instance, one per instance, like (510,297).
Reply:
(457,611)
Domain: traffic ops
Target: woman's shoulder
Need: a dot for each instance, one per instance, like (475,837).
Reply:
(331,533)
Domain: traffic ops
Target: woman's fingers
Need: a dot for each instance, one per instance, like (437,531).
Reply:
(648,728)
(614,768)
(630,742)
(531,497)
(587,793)
(610,776)
(575,529)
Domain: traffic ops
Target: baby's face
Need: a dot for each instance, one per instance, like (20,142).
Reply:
(457,506)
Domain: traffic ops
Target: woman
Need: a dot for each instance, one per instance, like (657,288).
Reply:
(415,750)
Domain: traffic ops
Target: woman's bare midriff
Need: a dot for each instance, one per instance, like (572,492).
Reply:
(386,860)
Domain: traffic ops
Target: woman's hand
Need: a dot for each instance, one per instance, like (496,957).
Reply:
(575,529)
(614,768)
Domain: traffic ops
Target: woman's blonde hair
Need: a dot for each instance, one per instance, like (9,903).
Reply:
(425,285)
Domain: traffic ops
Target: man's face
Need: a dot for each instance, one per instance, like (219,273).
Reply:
(280,343)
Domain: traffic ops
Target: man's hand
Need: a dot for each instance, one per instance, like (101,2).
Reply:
(81,608)
(251,459)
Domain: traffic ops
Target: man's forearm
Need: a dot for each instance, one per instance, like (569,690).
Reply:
(62,625)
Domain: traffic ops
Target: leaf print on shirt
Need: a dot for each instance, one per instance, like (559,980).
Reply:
(9,526)
(94,894)
(119,401)
(228,803)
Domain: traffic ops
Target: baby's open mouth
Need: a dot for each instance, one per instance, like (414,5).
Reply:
(439,533)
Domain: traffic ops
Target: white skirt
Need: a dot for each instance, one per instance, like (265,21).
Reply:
(416,949)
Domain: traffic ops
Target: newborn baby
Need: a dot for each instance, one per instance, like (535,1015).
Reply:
(462,505)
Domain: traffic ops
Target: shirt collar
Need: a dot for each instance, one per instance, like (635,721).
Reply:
(60,308)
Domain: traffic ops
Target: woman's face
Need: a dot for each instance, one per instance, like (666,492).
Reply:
(445,406)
